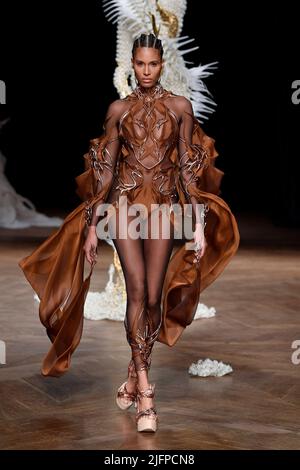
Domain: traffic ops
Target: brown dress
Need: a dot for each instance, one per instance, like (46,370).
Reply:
(153,151)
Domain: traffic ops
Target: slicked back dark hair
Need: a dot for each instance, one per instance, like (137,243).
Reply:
(148,40)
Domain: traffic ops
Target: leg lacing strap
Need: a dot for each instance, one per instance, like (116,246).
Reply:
(148,393)
(123,393)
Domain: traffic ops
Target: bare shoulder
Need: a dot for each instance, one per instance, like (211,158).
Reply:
(184,103)
(181,104)
(116,107)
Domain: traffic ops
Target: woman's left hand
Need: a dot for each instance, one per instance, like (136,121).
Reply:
(200,241)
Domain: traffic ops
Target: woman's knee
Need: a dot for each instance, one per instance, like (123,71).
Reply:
(136,291)
(153,301)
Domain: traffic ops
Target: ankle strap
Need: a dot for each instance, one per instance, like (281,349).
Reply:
(148,392)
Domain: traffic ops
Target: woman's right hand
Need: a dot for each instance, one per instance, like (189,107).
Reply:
(200,242)
(90,245)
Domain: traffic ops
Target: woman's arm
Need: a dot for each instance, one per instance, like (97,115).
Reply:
(192,157)
(103,158)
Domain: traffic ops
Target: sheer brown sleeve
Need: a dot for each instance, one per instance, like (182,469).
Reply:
(103,157)
(192,158)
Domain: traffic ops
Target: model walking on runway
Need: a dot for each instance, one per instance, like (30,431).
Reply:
(152,152)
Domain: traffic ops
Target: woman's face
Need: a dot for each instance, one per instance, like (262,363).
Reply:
(147,66)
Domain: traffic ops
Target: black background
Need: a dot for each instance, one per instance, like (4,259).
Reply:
(57,60)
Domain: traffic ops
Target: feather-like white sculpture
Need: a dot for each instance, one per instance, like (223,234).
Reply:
(134,17)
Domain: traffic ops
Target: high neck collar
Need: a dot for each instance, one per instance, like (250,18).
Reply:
(148,93)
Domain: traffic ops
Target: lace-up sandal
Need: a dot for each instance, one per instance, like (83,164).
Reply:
(125,399)
(146,420)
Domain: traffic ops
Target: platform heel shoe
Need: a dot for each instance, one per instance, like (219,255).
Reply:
(125,399)
(146,420)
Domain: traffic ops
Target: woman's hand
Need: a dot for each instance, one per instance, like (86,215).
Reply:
(200,241)
(90,245)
